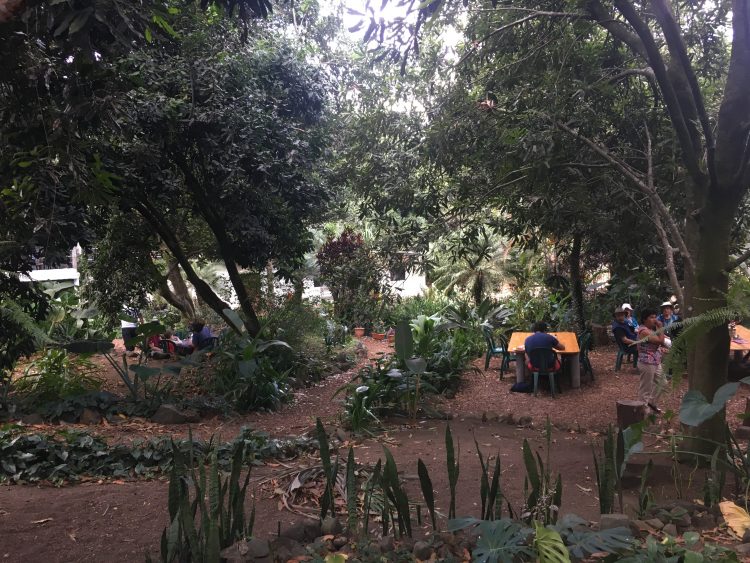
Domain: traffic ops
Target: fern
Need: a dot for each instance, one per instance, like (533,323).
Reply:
(12,312)
(692,329)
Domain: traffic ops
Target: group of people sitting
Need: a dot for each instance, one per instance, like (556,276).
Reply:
(162,346)
(648,345)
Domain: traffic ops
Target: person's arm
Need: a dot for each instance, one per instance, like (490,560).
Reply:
(558,345)
(653,337)
(623,336)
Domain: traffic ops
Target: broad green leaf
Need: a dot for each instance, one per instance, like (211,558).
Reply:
(695,409)
(234,320)
(550,545)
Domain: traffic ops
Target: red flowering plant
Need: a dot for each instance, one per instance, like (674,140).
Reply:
(353,273)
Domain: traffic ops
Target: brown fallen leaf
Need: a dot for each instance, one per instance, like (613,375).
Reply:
(736,517)
(42,521)
(72,536)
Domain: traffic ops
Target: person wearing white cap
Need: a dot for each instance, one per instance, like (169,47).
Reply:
(629,317)
(667,316)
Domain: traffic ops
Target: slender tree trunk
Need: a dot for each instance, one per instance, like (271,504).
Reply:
(576,285)
(203,290)
(270,287)
(181,291)
(252,324)
(477,289)
(299,288)
(170,297)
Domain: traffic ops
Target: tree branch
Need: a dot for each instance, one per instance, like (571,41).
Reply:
(636,177)
(654,211)
(507,26)
(739,260)
(648,48)
(616,28)
(203,290)
(677,47)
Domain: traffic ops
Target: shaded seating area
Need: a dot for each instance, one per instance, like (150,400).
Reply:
(497,348)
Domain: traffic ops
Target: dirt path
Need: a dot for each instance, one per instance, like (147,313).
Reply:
(122,520)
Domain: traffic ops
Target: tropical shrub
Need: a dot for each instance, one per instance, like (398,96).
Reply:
(71,318)
(354,274)
(53,376)
(432,302)
(242,371)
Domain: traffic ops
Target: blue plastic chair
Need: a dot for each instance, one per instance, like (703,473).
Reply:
(624,351)
(494,350)
(584,344)
(539,358)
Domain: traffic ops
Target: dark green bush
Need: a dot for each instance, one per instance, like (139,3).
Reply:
(243,371)
(55,376)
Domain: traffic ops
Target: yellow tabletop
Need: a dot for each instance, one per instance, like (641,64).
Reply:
(742,333)
(567,339)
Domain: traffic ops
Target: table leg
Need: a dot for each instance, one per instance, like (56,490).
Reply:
(575,371)
(520,367)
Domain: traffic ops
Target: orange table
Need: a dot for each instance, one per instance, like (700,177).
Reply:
(571,353)
(743,334)
(741,343)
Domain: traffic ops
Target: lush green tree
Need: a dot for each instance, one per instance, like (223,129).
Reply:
(678,52)
(226,132)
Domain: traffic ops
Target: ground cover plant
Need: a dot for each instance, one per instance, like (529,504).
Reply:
(69,455)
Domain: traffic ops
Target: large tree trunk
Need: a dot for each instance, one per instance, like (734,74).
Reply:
(709,360)
(576,285)
(710,226)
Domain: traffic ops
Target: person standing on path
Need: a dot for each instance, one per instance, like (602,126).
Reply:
(649,359)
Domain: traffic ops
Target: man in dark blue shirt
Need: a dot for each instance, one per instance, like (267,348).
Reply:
(623,332)
(540,339)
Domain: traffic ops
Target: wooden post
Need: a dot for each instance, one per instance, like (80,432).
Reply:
(629,412)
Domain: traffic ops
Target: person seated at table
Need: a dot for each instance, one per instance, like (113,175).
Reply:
(630,317)
(202,336)
(541,339)
(623,333)
(154,348)
(180,347)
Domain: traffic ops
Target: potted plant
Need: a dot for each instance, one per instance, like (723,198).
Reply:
(359,331)
(378,331)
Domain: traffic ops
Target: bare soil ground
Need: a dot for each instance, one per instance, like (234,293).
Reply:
(123,519)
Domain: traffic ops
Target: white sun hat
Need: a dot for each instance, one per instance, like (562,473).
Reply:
(627,306)
(666,304)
